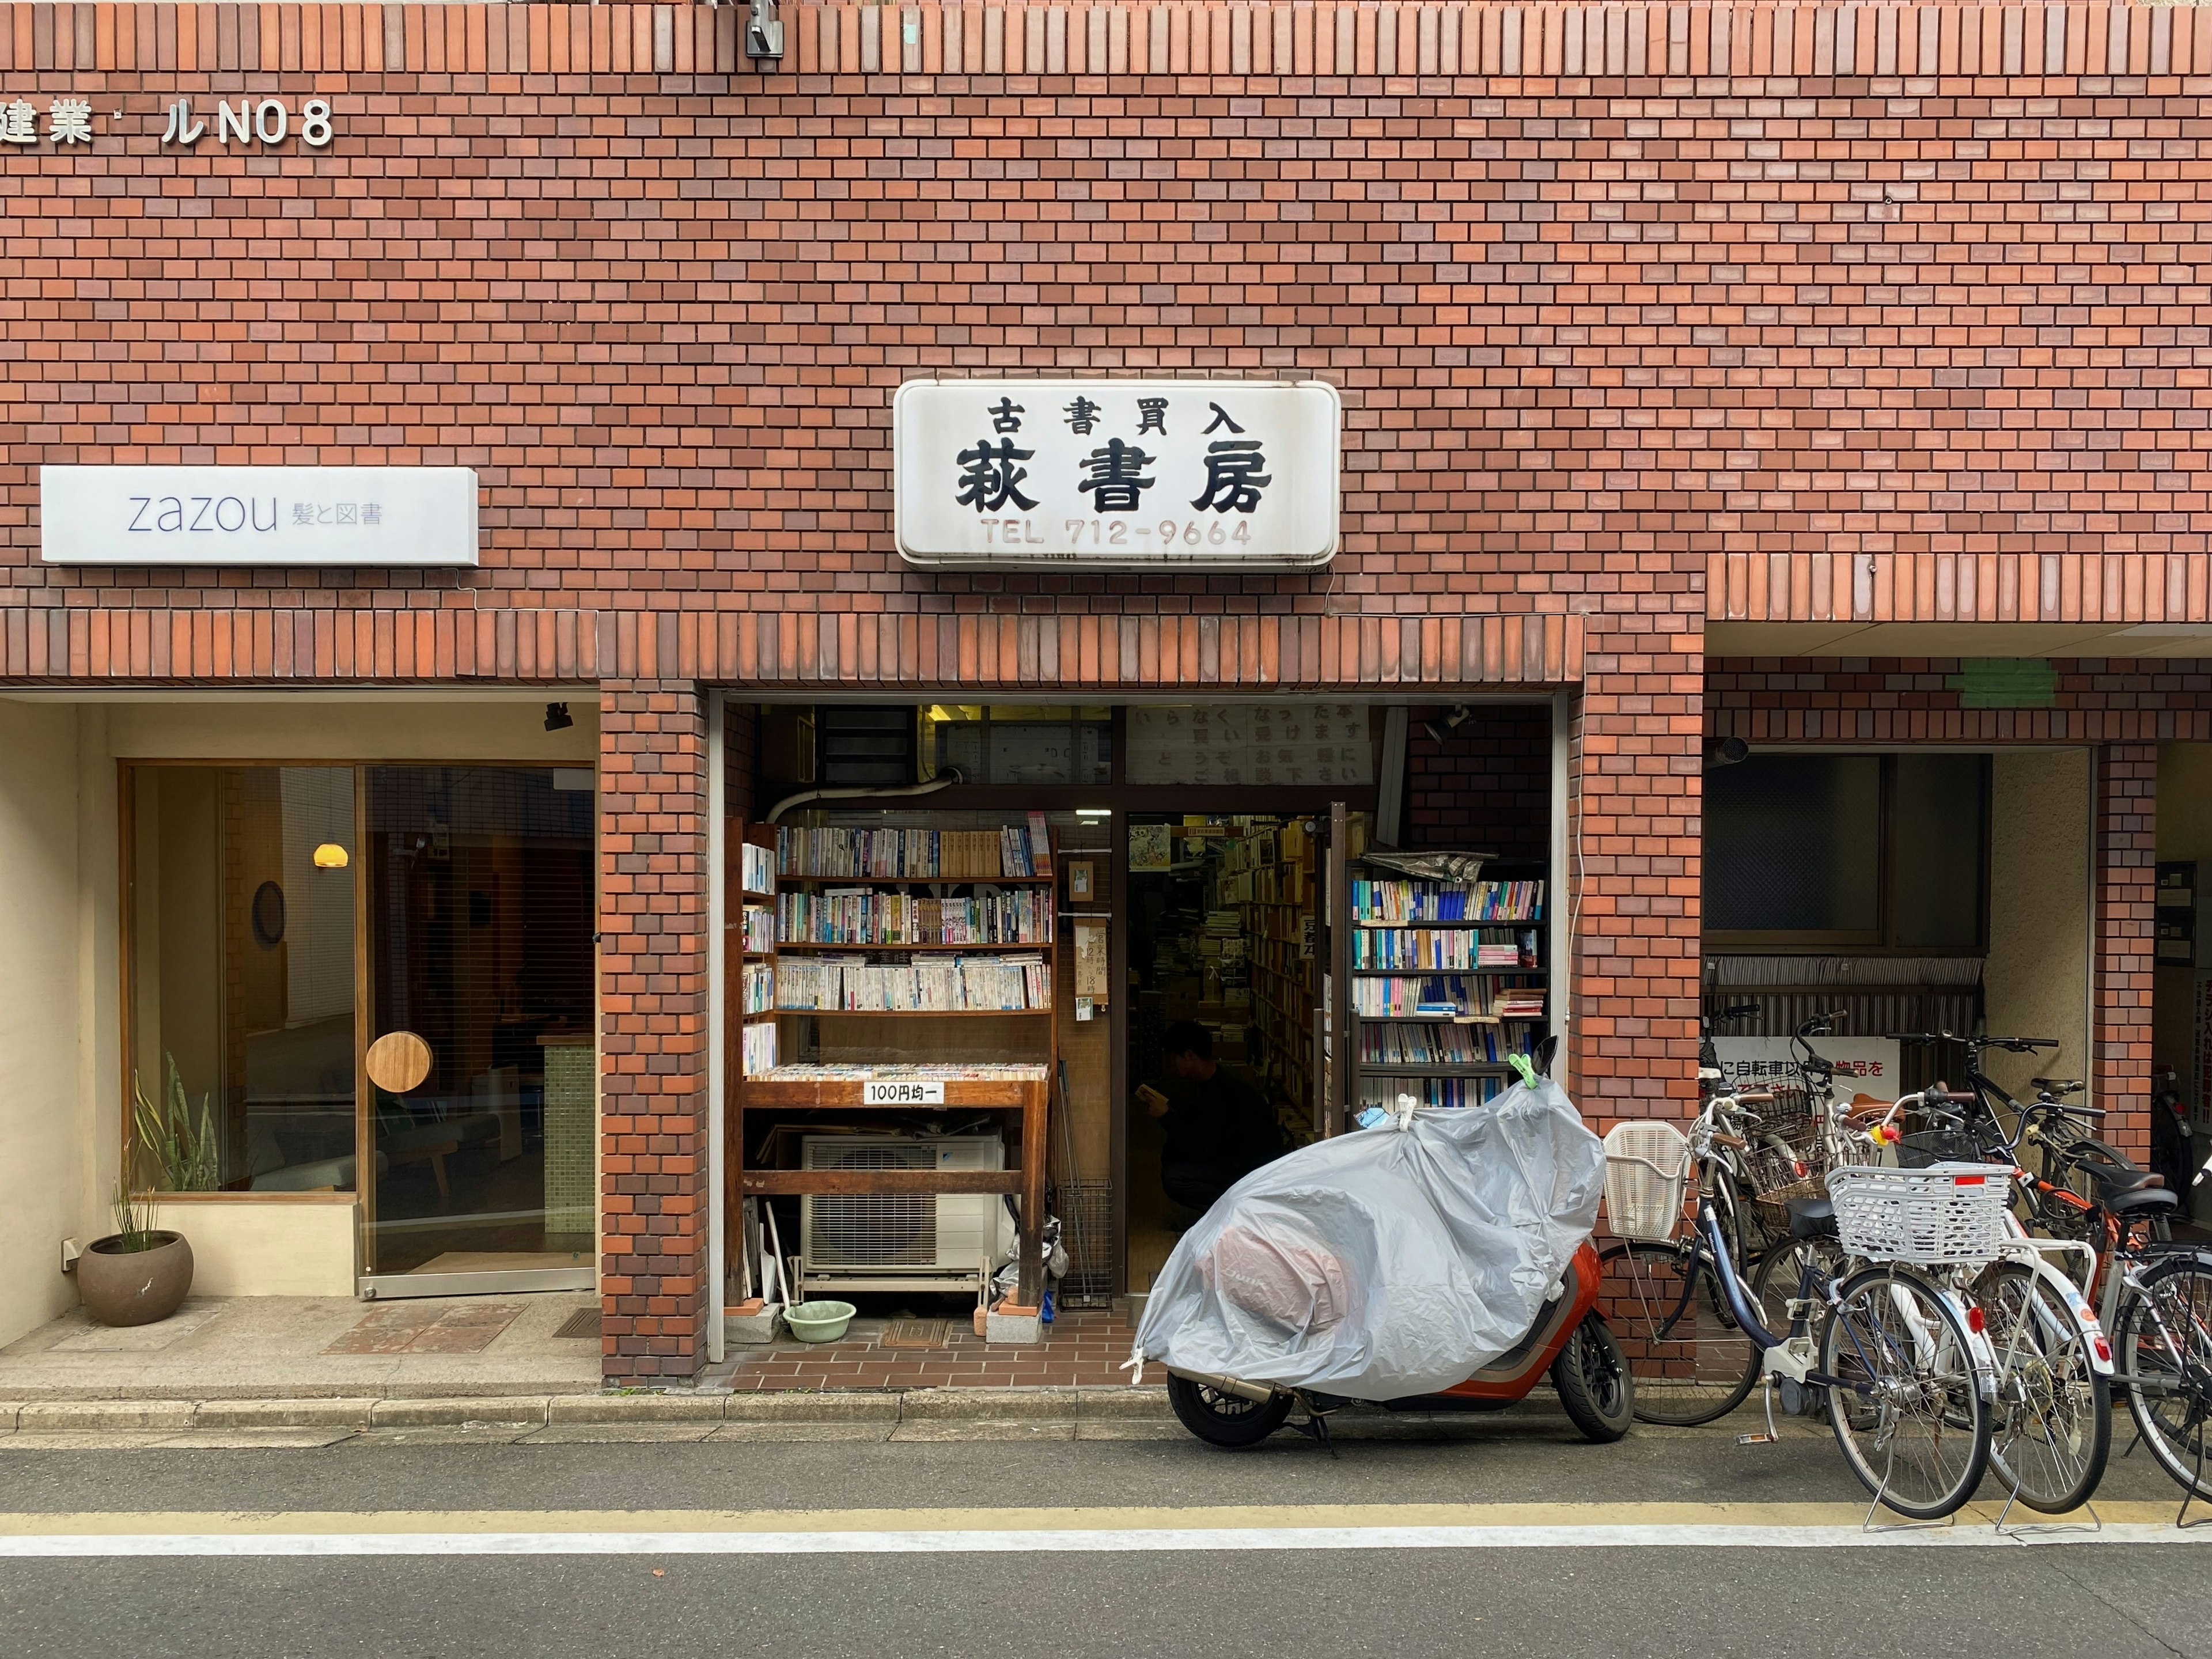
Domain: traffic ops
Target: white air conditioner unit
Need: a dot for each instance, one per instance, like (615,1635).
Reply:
(946,1242)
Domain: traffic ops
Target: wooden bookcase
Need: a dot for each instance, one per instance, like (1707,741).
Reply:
(844,1090)
(1445,1018)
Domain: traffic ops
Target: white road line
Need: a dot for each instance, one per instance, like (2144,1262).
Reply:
(51,1545)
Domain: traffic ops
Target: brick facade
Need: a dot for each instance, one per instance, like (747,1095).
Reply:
(1641,315)
(653,985)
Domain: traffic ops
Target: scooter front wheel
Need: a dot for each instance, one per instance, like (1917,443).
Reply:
(1220,1419)
(1594,1383)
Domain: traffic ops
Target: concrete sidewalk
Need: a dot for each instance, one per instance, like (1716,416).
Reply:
(255,1346)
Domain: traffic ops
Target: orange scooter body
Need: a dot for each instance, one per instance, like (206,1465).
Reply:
(1515,1373)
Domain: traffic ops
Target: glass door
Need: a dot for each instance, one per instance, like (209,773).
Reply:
(481,1070)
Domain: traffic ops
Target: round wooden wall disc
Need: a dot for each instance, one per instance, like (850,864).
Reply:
(399,1062)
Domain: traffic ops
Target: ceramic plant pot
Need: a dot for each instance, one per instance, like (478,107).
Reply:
(133,1287)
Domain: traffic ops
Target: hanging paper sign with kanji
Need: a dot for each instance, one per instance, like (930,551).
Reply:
(1117,474)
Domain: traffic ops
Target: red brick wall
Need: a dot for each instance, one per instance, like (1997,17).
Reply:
(652,954)
(1485,787)
(2125,939)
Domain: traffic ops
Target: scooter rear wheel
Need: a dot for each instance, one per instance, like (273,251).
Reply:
(1594,1383)
(1226,1419)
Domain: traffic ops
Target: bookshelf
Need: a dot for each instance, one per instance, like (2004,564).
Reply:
(1448,975)
(1270,877)
(895,959)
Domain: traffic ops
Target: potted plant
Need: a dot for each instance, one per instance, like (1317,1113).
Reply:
(139,1274)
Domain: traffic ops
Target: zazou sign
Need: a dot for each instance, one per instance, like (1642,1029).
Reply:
(1117,474)
(349,516)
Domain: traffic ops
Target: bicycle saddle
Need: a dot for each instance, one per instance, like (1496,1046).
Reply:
(2135,1199)
(1812,1218)
(2114,1180)
(2059,1086)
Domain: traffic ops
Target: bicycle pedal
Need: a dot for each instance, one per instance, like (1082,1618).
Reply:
(1758,1439)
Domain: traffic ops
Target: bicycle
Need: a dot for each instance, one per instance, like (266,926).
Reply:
(2051,1431)
(1906,1376)
(1690,1360)
(2156,1304)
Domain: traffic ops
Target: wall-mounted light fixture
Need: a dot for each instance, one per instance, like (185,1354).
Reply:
(1726,751)
(557,717)
(764,32)
(330,856)
(1439,730)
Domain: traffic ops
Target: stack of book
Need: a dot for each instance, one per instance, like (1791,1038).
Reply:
(1519,1002)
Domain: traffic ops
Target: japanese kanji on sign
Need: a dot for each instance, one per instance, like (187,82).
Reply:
(1117,474)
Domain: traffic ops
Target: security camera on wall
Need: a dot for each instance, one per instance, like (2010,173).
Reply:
(764,32)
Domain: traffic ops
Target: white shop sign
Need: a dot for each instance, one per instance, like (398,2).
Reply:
(1864,1066)
(873,1093)
(349,516)
(1116,474)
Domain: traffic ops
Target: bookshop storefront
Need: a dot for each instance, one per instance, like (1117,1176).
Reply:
(1091,956)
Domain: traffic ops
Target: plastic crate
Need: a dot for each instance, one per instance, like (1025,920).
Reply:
(1946,1213)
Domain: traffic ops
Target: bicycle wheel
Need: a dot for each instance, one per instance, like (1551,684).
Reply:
(1907,1413)
(2164,1344)
(1690,1360)
(2052,1426)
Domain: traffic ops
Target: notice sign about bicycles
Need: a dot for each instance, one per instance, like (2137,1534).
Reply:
(1864,1066)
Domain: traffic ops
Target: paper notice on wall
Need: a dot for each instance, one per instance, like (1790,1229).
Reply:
(1091,980)
(1150,847)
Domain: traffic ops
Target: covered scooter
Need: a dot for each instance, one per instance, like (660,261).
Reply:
(1440,1258)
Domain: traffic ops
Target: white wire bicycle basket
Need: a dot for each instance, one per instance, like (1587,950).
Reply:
(1946,1213)
(1647,1167)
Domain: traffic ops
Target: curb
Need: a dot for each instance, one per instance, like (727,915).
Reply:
(886,1408)
(1108,1413)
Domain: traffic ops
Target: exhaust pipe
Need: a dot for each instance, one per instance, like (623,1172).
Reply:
(1257,1391)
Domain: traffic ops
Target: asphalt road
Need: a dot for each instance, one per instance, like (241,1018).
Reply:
(1570,1599)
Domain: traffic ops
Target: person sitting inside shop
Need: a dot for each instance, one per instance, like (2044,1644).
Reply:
(1218,1128)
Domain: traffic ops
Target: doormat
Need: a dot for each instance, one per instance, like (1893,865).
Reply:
(459,1327)
(915,1333)
(585,1321)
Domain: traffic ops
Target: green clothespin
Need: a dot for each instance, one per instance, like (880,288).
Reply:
(1525,1068)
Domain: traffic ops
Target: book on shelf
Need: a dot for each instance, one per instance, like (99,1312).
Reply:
(756,1052)
(870,916)
(1015,850)
(1394,903)
(755,868)
(999,984)
(759,987)
(1519,1002)
(1432,1091)
(1440,1044)
(760,929)
(1390,948)
(1459,996)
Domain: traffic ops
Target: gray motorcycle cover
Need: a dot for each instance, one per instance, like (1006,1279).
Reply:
(1389,1261)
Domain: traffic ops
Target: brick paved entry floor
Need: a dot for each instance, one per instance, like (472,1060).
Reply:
(1083,1345)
